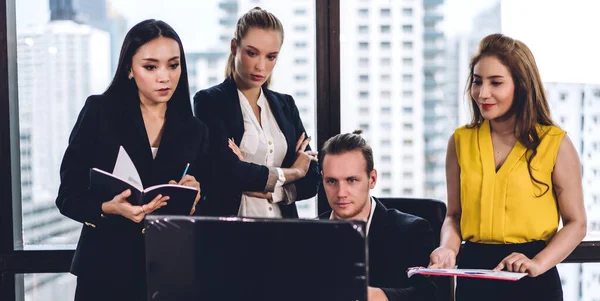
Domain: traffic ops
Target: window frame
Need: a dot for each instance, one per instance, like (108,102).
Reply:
(14,262)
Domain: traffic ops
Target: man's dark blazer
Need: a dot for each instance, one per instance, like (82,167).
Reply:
(111,248)
(397,241)
(219,107)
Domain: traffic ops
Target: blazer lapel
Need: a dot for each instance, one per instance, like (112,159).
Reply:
(233,109)
(170,142)
(378,220)
(135,140)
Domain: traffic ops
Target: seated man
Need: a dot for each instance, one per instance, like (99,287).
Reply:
(396,240)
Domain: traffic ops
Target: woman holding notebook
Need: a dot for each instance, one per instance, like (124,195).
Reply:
(146,110)
(274,166)
(511,175)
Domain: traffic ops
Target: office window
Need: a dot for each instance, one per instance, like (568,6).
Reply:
(407,12)
(364,111)
(386,61)
(385,28)
(363,29)
(363,94)
(363,61)
(301,77)
(66,61)
(363,78)
(363,12)
(386,94)
(385,77)
(386,110)
(301,93)
(386,45)
(386,159)
(407,62)
(386,126)
(407,28)
(300,28)
(300,61)
(407,110)
(363,45)
(386,142)
(300,45)
(407,78)
(300,12)
(407,45)
(407,94)
(386,175)
(385,12)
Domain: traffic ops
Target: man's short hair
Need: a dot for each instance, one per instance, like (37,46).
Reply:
(343,143)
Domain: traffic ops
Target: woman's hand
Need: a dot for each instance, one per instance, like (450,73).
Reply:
(120,206)
(236,150)
(442,258)
(519,263)
(190,181)
(303,157)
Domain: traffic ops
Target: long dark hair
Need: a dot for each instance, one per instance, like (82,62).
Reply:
(137,36)
(530,104)
(255,18)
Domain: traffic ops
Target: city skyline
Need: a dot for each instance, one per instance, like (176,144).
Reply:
(386,111)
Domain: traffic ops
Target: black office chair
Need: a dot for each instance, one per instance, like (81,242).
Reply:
(434,211)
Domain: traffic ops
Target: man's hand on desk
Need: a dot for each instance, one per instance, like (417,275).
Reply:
(376,294)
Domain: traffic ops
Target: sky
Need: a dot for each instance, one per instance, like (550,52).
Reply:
(563,35)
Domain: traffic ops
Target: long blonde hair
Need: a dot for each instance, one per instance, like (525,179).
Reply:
(255,18)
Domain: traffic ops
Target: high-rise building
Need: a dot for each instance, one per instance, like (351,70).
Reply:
(437,123)
(576,109)
(460,50)
(60,64)
(382,79)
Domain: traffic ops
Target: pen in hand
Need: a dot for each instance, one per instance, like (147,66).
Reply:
(187,166)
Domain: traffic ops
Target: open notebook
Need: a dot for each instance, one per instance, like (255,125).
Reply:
(125,176)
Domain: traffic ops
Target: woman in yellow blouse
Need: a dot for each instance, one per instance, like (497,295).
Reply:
(511,174)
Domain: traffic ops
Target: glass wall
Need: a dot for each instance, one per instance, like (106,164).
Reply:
(404,67)
(66,53)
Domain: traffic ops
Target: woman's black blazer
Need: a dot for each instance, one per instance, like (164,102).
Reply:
(111,248)
(219,107)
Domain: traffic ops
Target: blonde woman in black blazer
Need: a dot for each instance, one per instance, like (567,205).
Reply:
(254,51)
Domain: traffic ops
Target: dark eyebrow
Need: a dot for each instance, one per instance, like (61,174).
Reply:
(490,77)
(156,61)
(256,49)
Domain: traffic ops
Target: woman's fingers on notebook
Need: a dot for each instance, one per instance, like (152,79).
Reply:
(515,262)
(188,180)
(156,203)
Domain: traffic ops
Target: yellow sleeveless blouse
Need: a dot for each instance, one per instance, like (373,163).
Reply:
(502,207)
